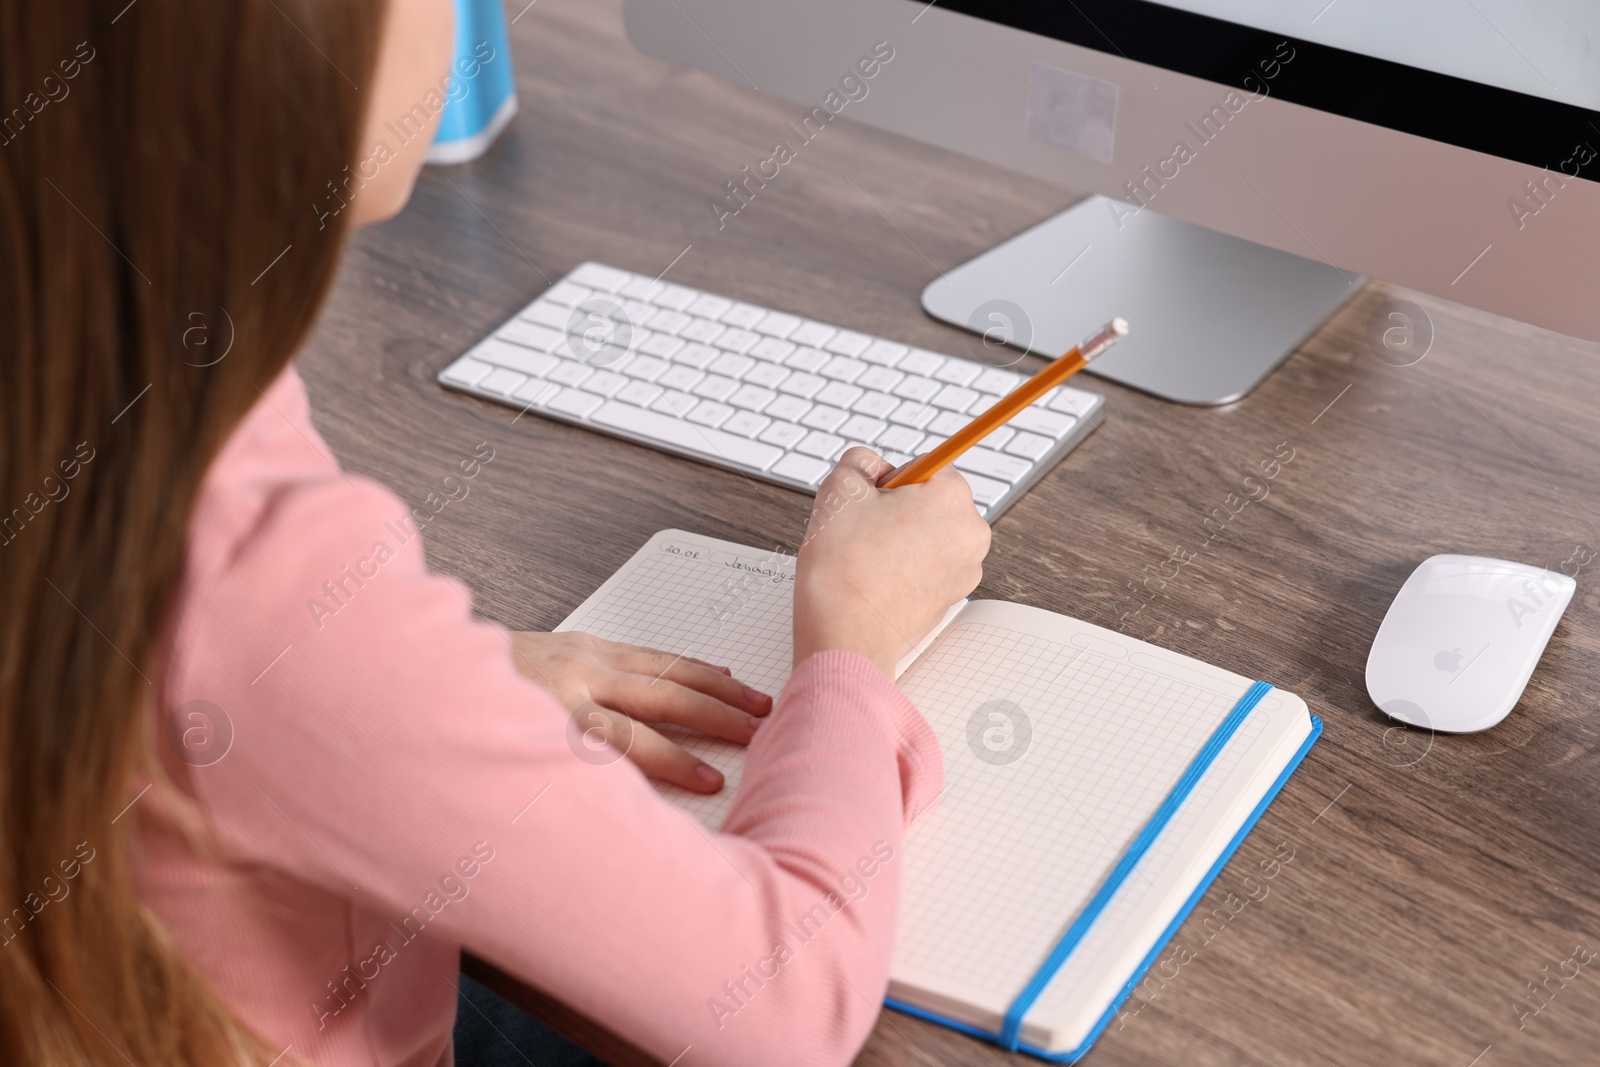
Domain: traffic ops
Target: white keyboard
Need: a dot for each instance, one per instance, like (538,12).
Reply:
(776,396)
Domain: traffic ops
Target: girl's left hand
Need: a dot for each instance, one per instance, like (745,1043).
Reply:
(616,690)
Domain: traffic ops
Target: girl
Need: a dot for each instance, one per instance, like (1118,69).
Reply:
(238,831)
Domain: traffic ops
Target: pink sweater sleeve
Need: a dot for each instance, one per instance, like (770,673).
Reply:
(388,752)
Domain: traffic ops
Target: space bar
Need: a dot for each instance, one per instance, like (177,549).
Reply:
(713,444)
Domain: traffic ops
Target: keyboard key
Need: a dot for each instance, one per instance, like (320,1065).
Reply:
(881,379)
(530,335)
(712,443)
(847,343)
(777,324)
(992,464)
(959,371)
(1030,446)
(635,312)
(884,353)
(998,437)
(946,423)
(985,491)
(734,366)
(752,398)
(697,356)
(604,383)
(766,375)
(545,313)
(954,398)
(787,408)
(1051,423)
(661,344)
(802,385)
(784,434)
(639,393)
(839,394)
(566,294)
(900,439)
(668,321)
(502,381)
(703,330)
(801,468)
(815,334)
(746,423)
(821,445)
(642,288)
(675,403)
(709,413)
(921,362)
(984,402)
(1072,401)
(743,316)
(877,405)
(716,387)
(843,369)
(921,390)
(998,382)
(740,341)
(910,413)
(675,297)
(772,349)
(646,367)
(575,402)
(823,417)
(707,306)
(599,277)
(515,357)
(570,372)
(680,377)
(807,359)
(860,428)
(534,391)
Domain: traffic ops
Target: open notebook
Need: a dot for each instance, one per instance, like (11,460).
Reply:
(1095,785)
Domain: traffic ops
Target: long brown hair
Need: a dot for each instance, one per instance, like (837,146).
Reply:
(161,257)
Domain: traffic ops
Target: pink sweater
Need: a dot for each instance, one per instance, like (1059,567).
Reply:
(390,791)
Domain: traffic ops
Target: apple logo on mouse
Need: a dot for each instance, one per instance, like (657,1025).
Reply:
(1449,662)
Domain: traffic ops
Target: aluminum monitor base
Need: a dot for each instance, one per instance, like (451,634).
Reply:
(1211,315)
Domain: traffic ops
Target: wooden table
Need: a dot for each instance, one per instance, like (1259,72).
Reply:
(1432,879)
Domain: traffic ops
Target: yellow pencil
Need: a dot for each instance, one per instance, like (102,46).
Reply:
(925,466)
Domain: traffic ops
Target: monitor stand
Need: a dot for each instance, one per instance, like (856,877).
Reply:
(1211,315)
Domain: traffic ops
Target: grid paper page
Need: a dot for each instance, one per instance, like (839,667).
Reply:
(1131,924)
(712,600)
(1017,845)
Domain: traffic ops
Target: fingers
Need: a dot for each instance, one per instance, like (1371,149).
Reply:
(854,477)
(866,462)
(685,670)
(697,675)
(950,482)
(648,749)
(663,701)
(660,758)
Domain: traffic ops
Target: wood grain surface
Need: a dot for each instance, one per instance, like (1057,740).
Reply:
(1432,879)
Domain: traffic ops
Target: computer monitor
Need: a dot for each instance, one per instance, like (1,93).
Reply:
(1254,158)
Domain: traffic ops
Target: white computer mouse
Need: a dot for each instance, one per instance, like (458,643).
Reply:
(1461,640)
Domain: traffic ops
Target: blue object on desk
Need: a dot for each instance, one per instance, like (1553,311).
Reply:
(481,94)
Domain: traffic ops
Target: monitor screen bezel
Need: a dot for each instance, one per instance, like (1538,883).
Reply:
(1546,134)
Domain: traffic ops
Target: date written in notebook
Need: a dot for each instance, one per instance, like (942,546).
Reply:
(1095,785)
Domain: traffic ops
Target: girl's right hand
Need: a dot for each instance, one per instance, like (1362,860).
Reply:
(880,567)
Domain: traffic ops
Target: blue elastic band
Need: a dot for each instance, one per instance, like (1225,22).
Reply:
(1011,1032)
